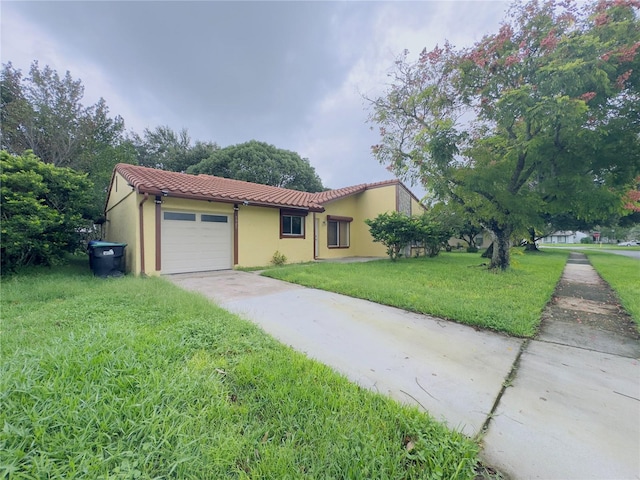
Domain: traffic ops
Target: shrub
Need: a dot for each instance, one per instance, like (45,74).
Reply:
(586,240)
(394,230)
(278,259)
(44,209)
(472,249)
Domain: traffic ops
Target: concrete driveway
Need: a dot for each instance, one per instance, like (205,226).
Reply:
(451,370)
(570,412)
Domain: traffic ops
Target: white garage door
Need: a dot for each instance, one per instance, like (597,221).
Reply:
(195,242)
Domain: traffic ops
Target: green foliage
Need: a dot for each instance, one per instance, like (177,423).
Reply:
(278,259)
(394,230)
(169,150)
(135,378)
(44,113)
(259,162)
(586,240)
(452,286)
(433,231)
(536,120)
(43,210)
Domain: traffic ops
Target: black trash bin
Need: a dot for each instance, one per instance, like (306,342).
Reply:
(106,259)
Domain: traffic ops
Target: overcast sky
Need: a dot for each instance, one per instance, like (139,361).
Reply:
(292,74)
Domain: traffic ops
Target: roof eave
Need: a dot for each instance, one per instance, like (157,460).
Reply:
(211,198)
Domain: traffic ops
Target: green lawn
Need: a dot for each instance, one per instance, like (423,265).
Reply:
(134,378)
(451,285)
(587,246)
(623,274)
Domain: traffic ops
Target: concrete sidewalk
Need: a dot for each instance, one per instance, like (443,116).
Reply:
(567,411)
(573,408)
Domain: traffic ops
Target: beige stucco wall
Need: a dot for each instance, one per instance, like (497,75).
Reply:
(367,204)
(259,238)
(416,207)
(122,221)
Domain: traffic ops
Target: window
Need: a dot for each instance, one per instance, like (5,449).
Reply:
(185,217)
(214,218)
(292,224)
(338,231)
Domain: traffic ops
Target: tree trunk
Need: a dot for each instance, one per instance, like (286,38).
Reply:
(501,244)
(531,242)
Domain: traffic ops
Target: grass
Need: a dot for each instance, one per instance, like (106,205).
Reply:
(623,275)
(134,378)
(588,246)
(451,285)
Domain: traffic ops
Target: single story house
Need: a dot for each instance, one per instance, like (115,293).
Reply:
(564,237)
(177,223)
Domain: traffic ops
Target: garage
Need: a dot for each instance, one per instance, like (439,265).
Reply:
(195,242)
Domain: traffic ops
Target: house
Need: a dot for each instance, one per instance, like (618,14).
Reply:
(176,222)
(564,237)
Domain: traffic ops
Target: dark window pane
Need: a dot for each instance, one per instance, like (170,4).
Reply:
(332,228)
(296,225)
(286,225)
(344,234)
(214,218)
(188,217)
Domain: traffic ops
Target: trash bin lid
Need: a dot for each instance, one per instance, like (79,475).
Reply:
(100,243)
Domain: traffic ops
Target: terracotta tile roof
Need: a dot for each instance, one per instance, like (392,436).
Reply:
(331,195)
(207,187)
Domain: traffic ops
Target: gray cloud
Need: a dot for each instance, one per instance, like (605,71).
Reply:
(289,73)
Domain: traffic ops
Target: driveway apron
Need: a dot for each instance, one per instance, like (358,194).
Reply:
(563,406)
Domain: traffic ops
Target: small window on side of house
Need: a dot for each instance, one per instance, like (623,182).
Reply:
(291,225)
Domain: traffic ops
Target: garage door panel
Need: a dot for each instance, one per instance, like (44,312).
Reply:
(195,245)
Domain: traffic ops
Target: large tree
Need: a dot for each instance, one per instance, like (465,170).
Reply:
(260,162)
(538,119)
(44,113)
(167,149)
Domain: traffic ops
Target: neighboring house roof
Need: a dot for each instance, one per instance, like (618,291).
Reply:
(207,187)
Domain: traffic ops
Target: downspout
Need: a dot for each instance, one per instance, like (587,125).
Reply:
(235,234)
(158,233)
(146,197)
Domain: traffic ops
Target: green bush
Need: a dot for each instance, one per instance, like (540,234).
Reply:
(44,210)
(396,230)
(586,240)
(278,259)
(472,249)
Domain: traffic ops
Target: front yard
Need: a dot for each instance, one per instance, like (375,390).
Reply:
(455,286)
(134,378)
